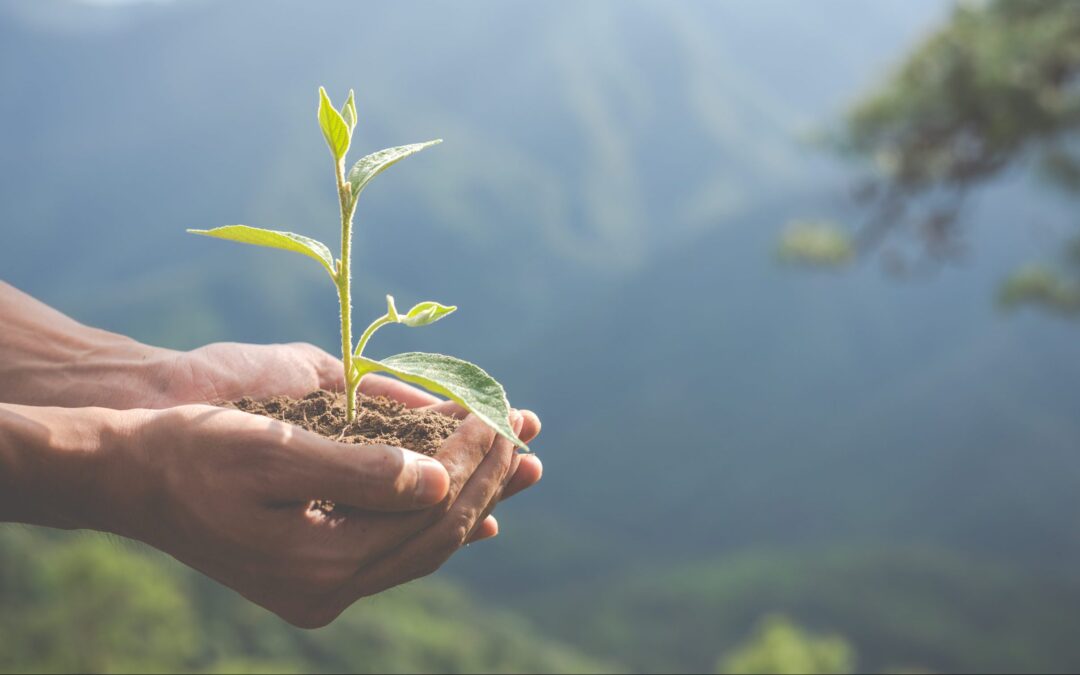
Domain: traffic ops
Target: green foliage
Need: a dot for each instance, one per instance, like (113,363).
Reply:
(899,607)
(424,313)
(995,87)
(372,165)
(348,111)
(72,602)
(996,81)
(458,380)
(781,647)
(286,241)
(815,243)
(89,605)
(463,382)
(336,131)
(1042,286)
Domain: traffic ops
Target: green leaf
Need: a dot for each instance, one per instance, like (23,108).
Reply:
(274,239)
(458,380)
(372,165)
(348,111)
(335,130)
(425,313)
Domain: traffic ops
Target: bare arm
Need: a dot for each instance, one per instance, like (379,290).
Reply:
(47,358)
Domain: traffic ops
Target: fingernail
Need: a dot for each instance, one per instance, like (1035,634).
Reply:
(431,481)
(516,420)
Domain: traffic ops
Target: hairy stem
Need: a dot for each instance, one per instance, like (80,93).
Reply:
(344,286)
(369,331)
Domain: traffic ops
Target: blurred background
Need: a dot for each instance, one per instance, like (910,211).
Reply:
(795,288)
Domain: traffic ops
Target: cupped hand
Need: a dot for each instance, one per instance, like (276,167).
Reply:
(226,371)
(229,494)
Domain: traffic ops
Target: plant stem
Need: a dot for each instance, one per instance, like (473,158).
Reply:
(344,286)
(369,331)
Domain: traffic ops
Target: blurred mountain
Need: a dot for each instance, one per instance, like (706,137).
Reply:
(580,143)
(604,210)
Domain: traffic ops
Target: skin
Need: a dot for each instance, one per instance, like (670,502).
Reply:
(101,432)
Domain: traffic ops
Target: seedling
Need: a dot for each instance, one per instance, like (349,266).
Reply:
(458,380)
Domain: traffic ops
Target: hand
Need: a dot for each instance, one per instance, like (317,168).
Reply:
(228,493)
(228,371)
(48,359)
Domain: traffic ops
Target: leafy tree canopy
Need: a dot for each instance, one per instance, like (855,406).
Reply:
(780,646)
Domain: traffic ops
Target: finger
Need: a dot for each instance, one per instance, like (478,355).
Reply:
(488,528)
(328,368)
(529,473)
(448,408)
(515,462)
(530,426)
(463,452)
(371,477)
(471,505)
(427,551)
(460,454)
(377,385)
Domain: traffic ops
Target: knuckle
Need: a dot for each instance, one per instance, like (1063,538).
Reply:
(386,465)
(457,533)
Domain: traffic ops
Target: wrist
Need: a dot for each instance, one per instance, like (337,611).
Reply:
(48,359)
(113,371)
(64,468)
(86,367)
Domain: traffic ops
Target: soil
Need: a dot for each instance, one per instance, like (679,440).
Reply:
(378,419)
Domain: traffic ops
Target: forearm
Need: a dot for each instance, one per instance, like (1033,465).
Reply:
(47,358)
(56,465)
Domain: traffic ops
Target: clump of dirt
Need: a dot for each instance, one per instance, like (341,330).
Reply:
(378,419)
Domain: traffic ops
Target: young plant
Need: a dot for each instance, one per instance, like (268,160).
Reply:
(458,380)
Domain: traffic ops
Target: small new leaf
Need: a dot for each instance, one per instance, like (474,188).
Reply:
(372,165)
(287,241)
(348,111)
(425,313)
(458,380)
(335,130)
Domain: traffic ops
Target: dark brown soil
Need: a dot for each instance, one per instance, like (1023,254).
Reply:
(378,420)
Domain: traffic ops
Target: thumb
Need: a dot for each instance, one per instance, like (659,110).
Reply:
(369,477)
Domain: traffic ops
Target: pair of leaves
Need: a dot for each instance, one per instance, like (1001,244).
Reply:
(360,175)
(337,127)
(462,382)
